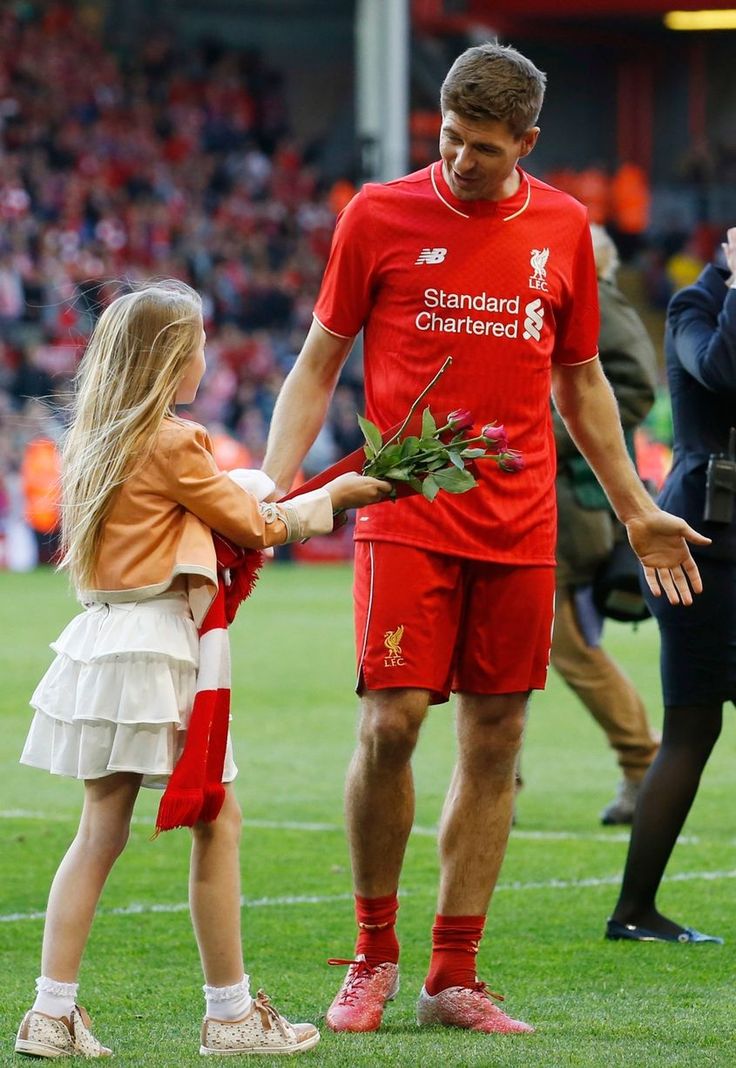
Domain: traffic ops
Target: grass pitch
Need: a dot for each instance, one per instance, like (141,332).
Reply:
(594,1003)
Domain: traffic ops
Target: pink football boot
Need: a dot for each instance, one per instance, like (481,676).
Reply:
(468,1007)
(361,999)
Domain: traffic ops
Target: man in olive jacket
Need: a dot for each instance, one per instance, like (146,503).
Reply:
(587,530)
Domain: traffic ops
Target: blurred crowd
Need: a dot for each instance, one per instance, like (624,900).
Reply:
(179,161)
(171,161)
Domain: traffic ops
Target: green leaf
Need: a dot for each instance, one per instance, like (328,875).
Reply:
(430,489)
(416,484)
(390,455)
(372,435)
(429,427)
(456,458)
(409,447)
(436,463)
(431,445)
(453,480)
(473,454)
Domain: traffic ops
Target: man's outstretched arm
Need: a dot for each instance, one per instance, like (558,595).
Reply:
(588,407)
(302,404)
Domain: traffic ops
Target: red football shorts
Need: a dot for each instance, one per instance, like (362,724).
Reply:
(445,623)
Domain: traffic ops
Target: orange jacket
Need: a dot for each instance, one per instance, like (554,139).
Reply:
(162,517)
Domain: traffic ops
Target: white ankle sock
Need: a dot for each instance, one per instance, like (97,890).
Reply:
(53,998)
(228,1002)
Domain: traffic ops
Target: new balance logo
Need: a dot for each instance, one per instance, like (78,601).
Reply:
(431,255)
(534,318)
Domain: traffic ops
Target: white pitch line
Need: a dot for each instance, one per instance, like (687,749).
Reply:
(137,909)
(422,832)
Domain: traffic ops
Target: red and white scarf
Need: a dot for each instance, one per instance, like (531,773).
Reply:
(195,791)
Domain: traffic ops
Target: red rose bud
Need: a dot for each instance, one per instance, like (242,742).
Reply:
(511,461)
(460,419)
(495,436)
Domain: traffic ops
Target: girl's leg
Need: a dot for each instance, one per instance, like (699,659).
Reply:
(75,891)
(666,795)
(214,895)
(235,1022)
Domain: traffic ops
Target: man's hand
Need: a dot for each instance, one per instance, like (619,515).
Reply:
(729,251)
(660,541)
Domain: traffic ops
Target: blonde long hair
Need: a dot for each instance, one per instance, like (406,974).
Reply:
(125,386)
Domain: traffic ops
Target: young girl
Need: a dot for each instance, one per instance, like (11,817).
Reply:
(141,498)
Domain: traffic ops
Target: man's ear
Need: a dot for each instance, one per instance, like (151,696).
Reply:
(528,141)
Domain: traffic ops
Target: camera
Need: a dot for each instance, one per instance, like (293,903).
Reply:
(720,484)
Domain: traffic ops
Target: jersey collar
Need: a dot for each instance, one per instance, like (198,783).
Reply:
(505,210)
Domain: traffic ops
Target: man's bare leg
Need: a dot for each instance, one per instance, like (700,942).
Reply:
(474,830)
(476,818)
(379,810)
(379,794)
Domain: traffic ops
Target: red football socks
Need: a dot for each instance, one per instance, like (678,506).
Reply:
(455,941)
(376,918)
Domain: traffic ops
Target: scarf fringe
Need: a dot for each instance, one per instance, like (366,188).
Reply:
(179,808)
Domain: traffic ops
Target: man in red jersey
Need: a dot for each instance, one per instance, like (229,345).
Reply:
(473,257)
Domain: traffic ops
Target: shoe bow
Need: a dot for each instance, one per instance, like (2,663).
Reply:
(267,1012)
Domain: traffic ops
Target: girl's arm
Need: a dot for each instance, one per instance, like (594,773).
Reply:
(193,480)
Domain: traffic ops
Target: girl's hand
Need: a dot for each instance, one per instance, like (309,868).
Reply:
(355,491)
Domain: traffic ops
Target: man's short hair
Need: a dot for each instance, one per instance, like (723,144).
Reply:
(493,82)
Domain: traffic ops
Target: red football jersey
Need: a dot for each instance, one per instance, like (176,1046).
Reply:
(504,287)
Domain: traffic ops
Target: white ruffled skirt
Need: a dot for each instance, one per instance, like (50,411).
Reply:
(119,694)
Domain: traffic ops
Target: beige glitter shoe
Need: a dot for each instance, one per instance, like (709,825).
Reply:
(262,1030)
(40,1035)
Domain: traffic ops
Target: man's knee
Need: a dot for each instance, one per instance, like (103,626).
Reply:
(390,723)
(491,729)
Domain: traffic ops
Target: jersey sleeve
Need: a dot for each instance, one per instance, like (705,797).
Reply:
(579,320)
(346,294)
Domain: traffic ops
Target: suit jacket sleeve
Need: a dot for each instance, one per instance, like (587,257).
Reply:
(702,320)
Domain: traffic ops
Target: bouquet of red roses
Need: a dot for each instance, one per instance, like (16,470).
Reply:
(437,457)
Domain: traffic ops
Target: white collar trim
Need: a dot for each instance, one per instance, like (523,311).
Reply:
(525,205)
(463,214)
(445,202)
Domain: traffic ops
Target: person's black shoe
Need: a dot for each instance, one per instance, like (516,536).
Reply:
(629,932)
